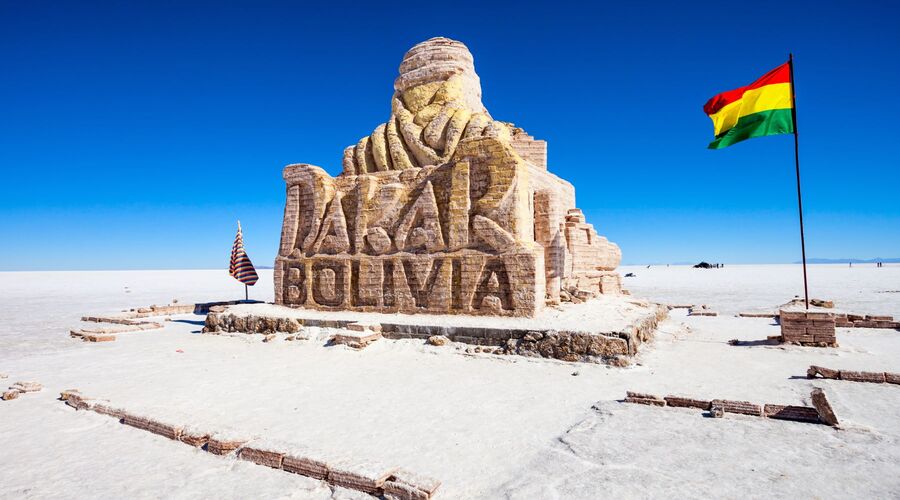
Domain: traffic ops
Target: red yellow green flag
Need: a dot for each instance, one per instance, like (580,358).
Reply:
(765,107)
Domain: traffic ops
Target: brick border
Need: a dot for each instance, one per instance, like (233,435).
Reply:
(853,376)
(131,320)
(819,413)
(394,482)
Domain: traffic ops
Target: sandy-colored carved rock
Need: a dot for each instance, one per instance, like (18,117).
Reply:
(441,210)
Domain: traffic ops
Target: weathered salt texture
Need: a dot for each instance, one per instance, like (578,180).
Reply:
(441,210)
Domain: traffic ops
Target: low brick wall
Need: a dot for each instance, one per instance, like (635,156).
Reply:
(132,320)
(809,328)
(865,321)
(819,413)
(853,376)
(378,481)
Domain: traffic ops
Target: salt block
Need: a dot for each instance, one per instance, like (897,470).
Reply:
(109,410)
(305,466)
(644,399)
(741,407)
(823,407)
(66,394)
(9,395)
(79,402)
(681,402)
(261,455)
(194,437)
(405,485)
(3,375)
(362,476)
(357,340)
(892,378)
(824,372)
(94,337)
(26,386)
(438,340)
(223,444)
(164,429)
(136,421)
(363,327)
(795,413)
(150,425)
(873,377)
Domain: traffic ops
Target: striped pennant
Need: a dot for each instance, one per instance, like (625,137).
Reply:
(241,268)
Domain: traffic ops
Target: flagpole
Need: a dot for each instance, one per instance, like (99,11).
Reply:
(246,293)
(797,164)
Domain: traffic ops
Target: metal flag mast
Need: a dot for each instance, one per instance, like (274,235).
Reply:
(797,163)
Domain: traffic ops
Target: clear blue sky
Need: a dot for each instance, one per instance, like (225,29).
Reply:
(134,134)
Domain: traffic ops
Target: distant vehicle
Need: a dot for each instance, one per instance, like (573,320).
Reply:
(630,275)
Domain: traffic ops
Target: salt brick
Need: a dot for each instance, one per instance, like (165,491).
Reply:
(795,413)
(407,485)
(742,407)
(261,456)
(681,402)
(368,478)
(824,372)
(823,407)
(305,466)
(854,376)
(223,446)
(194,438)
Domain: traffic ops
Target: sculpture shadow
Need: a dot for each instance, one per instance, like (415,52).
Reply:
(198,322)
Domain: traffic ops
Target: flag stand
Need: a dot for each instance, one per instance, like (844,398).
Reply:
(246,293)
(797,163)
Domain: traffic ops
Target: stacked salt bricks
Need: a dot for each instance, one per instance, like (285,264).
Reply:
(809,328)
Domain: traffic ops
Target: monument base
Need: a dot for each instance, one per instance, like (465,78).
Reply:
(607,329)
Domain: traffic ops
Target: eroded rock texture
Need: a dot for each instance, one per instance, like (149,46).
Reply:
(442,210)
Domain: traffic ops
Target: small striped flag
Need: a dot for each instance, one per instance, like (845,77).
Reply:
(241,268)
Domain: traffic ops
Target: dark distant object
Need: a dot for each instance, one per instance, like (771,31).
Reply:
(629,275)
(703,265)
(876,260)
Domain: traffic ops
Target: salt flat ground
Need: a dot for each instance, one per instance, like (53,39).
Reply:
(487,426)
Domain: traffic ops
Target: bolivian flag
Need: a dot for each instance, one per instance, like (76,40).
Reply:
(762,108)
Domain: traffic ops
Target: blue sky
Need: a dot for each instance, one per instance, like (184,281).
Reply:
(134,134)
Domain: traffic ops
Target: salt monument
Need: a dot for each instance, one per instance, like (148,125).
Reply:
(441,210)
